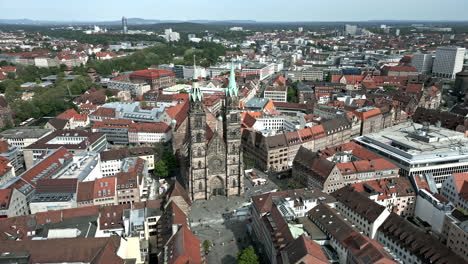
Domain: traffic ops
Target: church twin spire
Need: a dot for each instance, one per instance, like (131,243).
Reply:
(195,93)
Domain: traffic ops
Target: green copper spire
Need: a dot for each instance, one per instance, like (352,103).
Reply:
(195,93)
(232,88)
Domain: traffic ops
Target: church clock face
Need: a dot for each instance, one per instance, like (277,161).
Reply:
(216,164)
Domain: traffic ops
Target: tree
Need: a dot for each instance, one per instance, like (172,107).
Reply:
(292,96)
(328,78)
(160,169)
(247,256)
(169,159)
(206,246)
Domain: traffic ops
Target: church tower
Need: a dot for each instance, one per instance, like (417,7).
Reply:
(197,142)
(232,136)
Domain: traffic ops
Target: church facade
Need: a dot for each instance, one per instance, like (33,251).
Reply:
(212,152)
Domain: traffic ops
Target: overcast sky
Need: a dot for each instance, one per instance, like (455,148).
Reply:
(260,10)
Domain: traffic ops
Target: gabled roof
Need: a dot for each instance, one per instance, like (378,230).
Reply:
(45,168)
(461,184)
(104,112)
(58,123)
(424,246)
(178,112)
(67,250)
(359,203)
(149,127)
(306,250)
(85,191)
(183,248)
(177,190)
(5,198)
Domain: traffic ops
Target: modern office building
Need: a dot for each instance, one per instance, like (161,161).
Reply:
(75,141)
(422,62)
(351,30)
(429,151)
(276,93)
(448,62)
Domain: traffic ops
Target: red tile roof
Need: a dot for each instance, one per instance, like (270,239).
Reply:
(5,197)
(56,185)
(104,187)
(400,186)
(364,115)
(105,54)
(68,114)
(111,217)
(104,112)
(112,123)
(68,250)
(149,127)
(349,79)
(178,112)
(183,248)
(4,167)
(151,74)
(461,184)
(50,165)
(85,191)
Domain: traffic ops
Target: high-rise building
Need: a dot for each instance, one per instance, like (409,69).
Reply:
(422,62)
(124,25)
(351,30)
(448,61)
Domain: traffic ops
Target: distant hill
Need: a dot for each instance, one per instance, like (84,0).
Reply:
(130,21)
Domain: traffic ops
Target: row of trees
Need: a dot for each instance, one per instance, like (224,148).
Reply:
(47,101)
(207,53)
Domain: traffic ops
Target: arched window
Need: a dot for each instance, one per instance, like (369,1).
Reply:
(199,164)
(234,183)
(199,137)
(198,122)
(233,148)
(199,152)
(200,186)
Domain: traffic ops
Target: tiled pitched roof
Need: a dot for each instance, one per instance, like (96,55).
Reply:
(58,123)
(85,191)
(359,203)
(149,127)
(104,187)
(424,246)
(461,184)
(5,198)
(177,190)
(47,167)
(184,248)
(151,74)
(104,112)
(306,250)
(68,250)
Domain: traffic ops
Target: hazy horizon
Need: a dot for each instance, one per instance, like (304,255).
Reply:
(271,11)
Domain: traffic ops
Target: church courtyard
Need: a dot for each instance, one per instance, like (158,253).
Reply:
(223,221)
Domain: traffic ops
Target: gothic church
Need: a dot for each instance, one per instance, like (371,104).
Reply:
(212,151)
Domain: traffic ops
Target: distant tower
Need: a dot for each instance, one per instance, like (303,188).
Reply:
(124,25)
